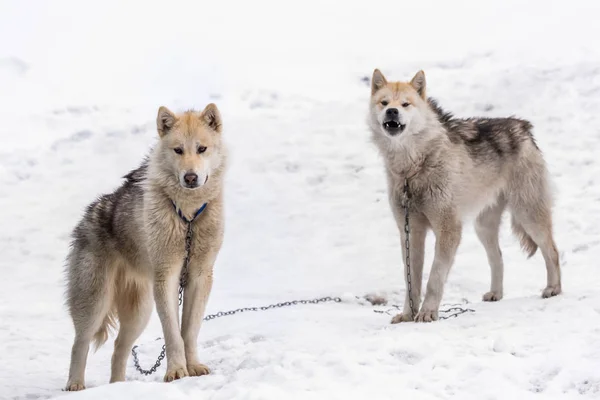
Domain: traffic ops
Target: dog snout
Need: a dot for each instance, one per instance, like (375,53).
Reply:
(191,179)
(392,112)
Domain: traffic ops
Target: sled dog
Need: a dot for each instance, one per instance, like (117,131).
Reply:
(130,246)
(452,169)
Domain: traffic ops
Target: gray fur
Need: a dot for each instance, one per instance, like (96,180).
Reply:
(460,168)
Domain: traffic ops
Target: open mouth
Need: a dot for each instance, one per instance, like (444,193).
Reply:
(393,127)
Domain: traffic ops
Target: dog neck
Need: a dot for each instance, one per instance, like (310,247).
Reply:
(188,202)
(406,158)
(195,215)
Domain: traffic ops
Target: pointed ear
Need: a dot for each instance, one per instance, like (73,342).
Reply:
(212,117)
(378,81)
(419,83)
(165,120)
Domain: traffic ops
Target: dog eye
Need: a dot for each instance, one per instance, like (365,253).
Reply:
(201,149)
(405,104)
(384,102)
(178,150)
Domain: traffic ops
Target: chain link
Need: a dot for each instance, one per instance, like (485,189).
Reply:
(405,201)
(453,311)
(138,367)
(272,306)
(186,261)
(209,317)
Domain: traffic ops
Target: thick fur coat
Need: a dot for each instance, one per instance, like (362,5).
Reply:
(130,246)
(455,169)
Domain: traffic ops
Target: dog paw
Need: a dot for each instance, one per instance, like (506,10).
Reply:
(492,296)
(551,291)
(198,369)
(427,316)
(402,318)
(176,373)
(74,386)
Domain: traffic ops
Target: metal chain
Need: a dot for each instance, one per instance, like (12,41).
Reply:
(405,201)
(271,306)
(161,356)
(183,277)
(184,270)
(138,367)
(453,311)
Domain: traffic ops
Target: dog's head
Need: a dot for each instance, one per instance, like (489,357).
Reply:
(190,144)
(396,108)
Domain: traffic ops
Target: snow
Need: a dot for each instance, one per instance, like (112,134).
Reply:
(307,214)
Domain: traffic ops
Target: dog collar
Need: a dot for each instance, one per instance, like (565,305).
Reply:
(188,221)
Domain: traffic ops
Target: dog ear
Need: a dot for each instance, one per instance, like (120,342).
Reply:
(419,83)
(378,81)
(165,121)
(212,117)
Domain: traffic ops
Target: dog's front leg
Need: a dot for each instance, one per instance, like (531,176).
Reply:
(166,284)
(447,229)
(418,232)
(196,295)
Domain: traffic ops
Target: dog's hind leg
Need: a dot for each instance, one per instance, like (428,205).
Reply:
(134,307)
(530,203)
(90,302)
(487,226)
(536,221)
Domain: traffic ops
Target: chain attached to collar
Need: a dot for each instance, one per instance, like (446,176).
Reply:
(183,278)
(405,205)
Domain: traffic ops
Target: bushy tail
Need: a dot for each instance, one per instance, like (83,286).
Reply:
(108,324)
(527,243)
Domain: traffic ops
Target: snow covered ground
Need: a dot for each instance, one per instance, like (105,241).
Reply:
(307,214)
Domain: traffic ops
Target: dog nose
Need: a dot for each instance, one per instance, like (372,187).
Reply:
(391,112)
(190,178)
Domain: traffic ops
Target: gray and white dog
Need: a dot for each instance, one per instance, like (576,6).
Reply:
(456,168)
(131,245)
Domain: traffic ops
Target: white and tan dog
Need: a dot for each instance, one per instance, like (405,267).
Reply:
(456,168)
(130,246)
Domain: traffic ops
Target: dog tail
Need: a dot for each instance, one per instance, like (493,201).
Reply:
(108,325)
(527,243)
